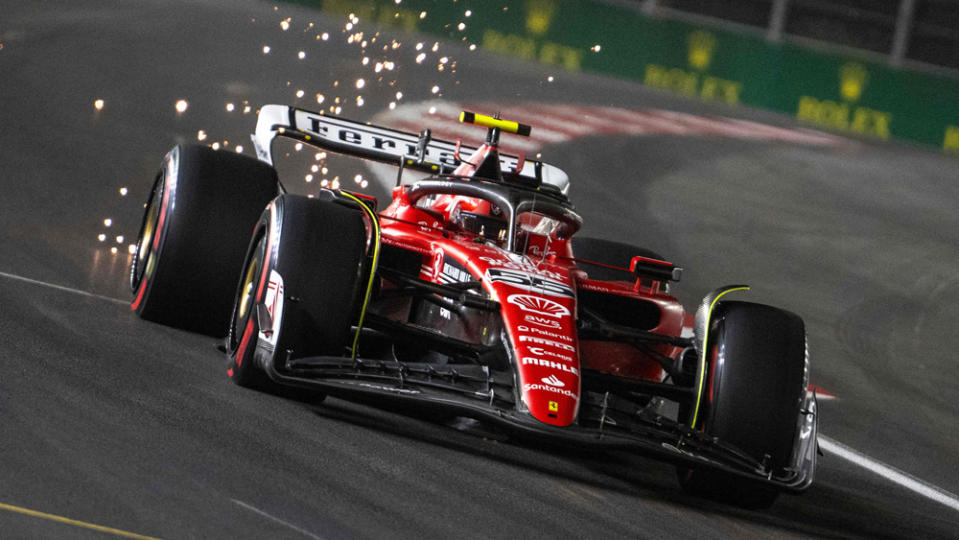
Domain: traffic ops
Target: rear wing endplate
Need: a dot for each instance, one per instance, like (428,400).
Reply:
(380,144)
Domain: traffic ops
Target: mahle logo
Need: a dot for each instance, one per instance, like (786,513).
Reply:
(701,46)
(852,81)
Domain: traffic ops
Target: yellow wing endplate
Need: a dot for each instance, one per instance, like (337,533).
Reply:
(508,126)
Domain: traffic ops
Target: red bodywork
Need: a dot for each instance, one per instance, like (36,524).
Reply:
(537,290)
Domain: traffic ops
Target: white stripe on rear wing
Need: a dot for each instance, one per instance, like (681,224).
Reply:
(376,143)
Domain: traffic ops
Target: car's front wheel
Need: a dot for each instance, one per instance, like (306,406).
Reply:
(751,399)
(301,286)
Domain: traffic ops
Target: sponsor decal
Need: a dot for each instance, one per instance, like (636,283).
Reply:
(513,261)
(538,305)
(426,227)
(543,321)
(371,138)
(526,269)
(533,48)
(436,268)
(274,306)
(383,142)
(405,245)
(540,252)
(845,114)
(553,381)
(548,388)
(454,273)
(701,46)
(539,15)
(529,282)
(548,343)
(539,351)
(590,287)
(543,333)
(950,141)
(694,80)
(553,406)
(530,361)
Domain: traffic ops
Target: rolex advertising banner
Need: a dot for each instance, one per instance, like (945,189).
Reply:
(824,90)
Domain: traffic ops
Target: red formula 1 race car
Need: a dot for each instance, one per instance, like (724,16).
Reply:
(471,292)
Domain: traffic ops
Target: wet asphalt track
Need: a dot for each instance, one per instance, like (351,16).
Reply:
(108,420)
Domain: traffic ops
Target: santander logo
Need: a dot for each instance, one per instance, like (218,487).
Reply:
(553,381)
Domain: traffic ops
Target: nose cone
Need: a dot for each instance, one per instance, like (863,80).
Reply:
(543,334)
(553,399)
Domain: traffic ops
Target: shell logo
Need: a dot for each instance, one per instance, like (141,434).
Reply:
(538,305)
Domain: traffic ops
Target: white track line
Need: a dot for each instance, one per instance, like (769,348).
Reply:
(62,288)
(276,519)
(836,448)
(905,480)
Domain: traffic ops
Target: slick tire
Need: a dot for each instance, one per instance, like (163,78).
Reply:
(756,365)
(609,253)
(194,234)
(301,289)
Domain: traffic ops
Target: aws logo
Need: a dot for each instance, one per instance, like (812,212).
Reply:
(543,321)
(846,115)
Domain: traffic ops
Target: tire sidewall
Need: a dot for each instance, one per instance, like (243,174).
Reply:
(166,182)
(210,201)
(754,402)
(312,317)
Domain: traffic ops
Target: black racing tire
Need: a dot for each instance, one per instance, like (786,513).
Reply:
(193,236)
(609,253)
(756,376)
(307,261)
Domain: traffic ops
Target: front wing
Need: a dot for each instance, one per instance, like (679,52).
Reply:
(476,394)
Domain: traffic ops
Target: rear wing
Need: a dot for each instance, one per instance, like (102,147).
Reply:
(409,150)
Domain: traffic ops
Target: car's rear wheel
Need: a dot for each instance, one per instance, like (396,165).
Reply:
(608,253)
(193,236)
(301,288)
(752,395)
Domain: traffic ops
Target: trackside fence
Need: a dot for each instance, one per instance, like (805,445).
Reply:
(842,93)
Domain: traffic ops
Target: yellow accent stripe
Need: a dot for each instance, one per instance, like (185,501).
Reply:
(488,121)
(702,359)
(73,522)
(376,260)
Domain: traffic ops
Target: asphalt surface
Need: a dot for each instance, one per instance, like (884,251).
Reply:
(112,421)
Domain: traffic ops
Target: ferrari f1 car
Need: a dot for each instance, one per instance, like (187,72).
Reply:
(471,292)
